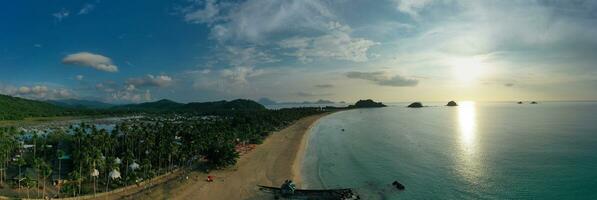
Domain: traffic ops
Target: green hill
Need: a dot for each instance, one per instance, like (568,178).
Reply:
(78,103)
(156,106)
(166,105)
(14,108)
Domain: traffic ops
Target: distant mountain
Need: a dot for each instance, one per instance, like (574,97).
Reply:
(321,101)
(267,101)
(78,103)
(14,108)
(238,104)
(367,104)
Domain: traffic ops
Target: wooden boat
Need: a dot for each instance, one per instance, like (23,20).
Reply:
(336,194)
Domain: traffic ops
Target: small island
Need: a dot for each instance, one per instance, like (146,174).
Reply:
(367,104)
(452,103)
(534,102)
(520,102)
(415,105)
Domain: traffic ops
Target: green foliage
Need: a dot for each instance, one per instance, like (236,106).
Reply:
(155,144)
(14,108)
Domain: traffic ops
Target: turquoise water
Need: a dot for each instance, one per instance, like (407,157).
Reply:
(473,151)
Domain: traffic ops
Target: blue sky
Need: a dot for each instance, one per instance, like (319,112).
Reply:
(391,50)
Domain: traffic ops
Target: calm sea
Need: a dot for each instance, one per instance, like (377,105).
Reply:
(473,151)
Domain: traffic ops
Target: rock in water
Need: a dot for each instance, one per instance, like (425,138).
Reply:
(367,104)
(416,105)
(452,103)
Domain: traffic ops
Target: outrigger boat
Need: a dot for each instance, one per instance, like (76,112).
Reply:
(288,190)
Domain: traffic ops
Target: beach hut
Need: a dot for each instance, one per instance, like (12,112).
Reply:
(94,173)
(134,166)
(114,174)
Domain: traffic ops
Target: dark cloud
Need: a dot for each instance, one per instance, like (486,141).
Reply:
(381,78)
(324,86)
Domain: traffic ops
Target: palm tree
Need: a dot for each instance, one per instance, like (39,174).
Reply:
(60,154)
(20,162)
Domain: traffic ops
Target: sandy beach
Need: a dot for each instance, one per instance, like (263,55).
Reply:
(277,159)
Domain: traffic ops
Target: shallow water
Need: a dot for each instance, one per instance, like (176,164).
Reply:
(473,151)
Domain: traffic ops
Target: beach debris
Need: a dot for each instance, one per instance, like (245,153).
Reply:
(398,185)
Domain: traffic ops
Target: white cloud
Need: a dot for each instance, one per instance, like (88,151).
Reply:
(382,78)
(206,14)
(412,7)
(60,15)
(128,96)
(249,56)
(337,44)
(95,61)
(231,80)
(239,74)
(24,90)
(254,20)
(86,9)
(270,24)
(79,77)
(150,81)
(36,92)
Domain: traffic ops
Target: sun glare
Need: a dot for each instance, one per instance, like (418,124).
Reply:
(467,70)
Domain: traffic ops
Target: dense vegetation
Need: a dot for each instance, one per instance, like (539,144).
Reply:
(79,103)
(171,106)
(15,108)
(94,160)
(12,108)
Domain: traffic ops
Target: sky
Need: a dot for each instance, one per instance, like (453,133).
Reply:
(341,50)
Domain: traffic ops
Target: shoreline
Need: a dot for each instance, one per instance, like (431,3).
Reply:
(278,158)
(297,164)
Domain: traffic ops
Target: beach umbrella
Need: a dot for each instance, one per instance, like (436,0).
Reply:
(95,173)
(134,166)
(114,174)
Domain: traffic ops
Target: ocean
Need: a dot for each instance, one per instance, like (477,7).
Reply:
(477,150)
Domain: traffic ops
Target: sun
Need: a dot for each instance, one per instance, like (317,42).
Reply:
(467,70)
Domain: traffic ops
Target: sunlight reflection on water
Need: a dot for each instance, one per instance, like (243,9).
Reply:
(469,164)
